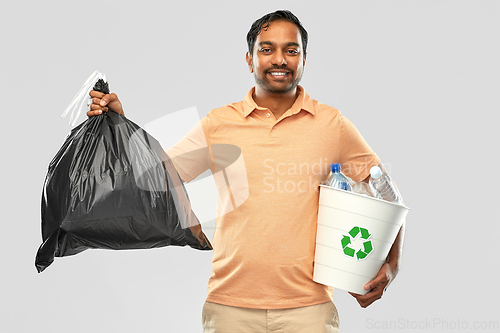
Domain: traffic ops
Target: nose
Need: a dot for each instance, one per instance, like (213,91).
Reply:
(279,58)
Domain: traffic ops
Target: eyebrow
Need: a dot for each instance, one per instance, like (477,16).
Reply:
(271,43)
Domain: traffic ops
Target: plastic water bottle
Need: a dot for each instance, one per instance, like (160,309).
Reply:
(382,185)
(337,179)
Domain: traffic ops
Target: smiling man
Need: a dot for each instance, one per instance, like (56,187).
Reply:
(264,248)
(276,56)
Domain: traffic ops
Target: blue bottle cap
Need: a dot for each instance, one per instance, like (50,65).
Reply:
(335,167)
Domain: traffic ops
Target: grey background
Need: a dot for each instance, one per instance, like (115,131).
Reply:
(420,80)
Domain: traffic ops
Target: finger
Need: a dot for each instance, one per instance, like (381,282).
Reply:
(369,298)
(96,101)
(97,94)
(94,113)
(362,301)
(96,110)
(361,297)
(380,278)
(95,107)
(375,292)
(106,99)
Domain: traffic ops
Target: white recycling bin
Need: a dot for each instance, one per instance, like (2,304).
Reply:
(354,236)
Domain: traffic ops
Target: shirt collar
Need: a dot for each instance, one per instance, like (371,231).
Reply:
(303,102)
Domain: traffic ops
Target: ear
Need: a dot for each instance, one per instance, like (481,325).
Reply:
(249,62)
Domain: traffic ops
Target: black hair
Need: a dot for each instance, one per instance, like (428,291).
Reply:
(264,21)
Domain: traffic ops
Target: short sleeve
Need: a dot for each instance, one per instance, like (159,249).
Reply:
(191,156)
(356,156)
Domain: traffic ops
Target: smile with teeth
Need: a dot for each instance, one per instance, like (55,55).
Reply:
(278,73)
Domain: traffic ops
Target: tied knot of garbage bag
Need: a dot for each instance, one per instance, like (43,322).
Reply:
(112,186)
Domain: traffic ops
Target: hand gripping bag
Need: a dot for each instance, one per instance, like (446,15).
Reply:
(112,186)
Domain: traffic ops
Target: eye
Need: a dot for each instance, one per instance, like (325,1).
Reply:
(293,52)
(265,50)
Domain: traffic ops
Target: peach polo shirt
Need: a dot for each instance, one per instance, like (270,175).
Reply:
(264,239)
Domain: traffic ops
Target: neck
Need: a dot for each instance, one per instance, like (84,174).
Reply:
(277,103)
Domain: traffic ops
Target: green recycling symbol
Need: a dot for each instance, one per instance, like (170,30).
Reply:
(367,243)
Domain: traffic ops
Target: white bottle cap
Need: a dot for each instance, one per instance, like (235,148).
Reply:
(375,172)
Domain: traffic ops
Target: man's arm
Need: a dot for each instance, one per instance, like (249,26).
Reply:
(387,272)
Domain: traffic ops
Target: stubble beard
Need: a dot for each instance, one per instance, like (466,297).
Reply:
(265,84)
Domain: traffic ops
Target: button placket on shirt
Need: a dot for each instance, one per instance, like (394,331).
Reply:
(268,115)
(281,119)
(276,121)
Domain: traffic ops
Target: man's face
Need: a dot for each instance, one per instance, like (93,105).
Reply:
(278,59)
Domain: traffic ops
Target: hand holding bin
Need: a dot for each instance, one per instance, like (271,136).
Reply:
(354,236)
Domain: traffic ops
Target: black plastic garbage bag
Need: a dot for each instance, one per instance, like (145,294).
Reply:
(112,186)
